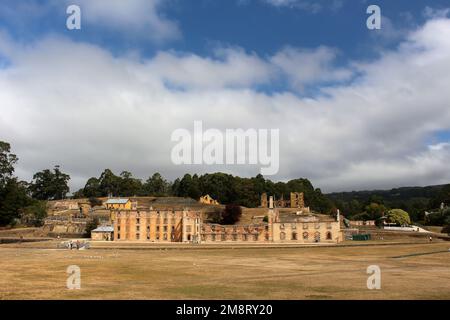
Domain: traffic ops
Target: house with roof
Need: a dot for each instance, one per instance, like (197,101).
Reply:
(118,204)
(102,233)
(207,199)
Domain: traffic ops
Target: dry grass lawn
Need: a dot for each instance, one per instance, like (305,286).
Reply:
(253,273)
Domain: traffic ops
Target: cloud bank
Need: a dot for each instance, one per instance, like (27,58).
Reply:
(371,125)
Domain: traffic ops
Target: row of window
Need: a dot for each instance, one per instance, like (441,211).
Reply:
(158,214)
(158,228)
(223,237)
(164,221)
(306,236)
(305,226)
(234,237)
(165,236)
(235,229)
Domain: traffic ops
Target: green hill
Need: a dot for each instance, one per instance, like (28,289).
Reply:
(414,200)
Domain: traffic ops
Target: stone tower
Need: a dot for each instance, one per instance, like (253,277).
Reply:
(264,203)
(297,200)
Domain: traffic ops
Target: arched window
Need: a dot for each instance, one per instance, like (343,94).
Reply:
(317,236)
(329,236)
(282,236)
(305,235)
(294,235)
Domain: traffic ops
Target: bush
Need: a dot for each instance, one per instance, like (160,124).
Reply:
(231,214)
(91,225)
(95,202)
(398,216)
(446,229)
(438,218)
(35,213)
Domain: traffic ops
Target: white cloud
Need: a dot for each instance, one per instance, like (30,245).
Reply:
(137,17)
(307,5)
(310,66)
(77,105)
(231,67)
(433,13)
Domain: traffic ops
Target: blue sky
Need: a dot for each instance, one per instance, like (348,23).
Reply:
(356,108)
(255,25)
(262,27)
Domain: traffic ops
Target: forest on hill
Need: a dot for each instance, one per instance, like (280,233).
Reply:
(225,188)
(414,200)
(21,200)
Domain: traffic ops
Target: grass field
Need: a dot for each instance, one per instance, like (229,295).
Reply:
(224,273)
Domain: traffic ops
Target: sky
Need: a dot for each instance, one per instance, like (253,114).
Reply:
(356,108)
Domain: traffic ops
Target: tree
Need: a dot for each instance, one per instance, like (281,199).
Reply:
(13,198)
(92,188)
(220,186)
(109,183)
(189,187)
(7,162)
(438,218)
(13,193)
(175,188)
(321,203)
(375,211)
(93,201)
(156,186)
(442,197)
(78,194)
(48,185)
(60,183)
(91,225)
(129,186)
(231,214)
(42,188)
(35,213)
(398,216)
(446,228)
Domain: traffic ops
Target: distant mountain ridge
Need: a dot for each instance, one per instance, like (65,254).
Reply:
(414,200)
(401,193)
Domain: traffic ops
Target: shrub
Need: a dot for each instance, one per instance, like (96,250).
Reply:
(231,214)
(95,202)
(398,216)
(91,225)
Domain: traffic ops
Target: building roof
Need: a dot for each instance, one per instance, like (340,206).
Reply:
(117,201)
(104,229)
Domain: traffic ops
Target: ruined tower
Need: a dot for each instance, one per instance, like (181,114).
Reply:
(264,200)
(297,200)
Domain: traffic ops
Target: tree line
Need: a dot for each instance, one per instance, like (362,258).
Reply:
(26,201)
(371,205)
(225,188)
(16,200)
(22,200)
